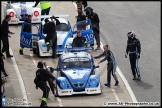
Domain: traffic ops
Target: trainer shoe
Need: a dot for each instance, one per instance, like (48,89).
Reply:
(134,78)
(108,84)
(43,104)
(98,48)
(9,56)
(48,47)
(116,83)
(139,78)
(21,52)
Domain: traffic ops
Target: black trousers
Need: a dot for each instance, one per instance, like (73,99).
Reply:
(5,47)
(2,67)
(43,86)
(45,12)
(54,47)
(96,33)
(111,68)
(134,64)
(47,39)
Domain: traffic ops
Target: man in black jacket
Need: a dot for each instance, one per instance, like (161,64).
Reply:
(4,35)
(79,40)
(81,16)
(134,50)
(50,30)
(42,76)
(27,28)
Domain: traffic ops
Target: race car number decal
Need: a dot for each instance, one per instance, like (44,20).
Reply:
(89,37)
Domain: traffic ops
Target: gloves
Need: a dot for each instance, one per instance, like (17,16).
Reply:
(138,56)
(126,54)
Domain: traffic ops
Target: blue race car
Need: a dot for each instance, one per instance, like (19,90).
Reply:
(76,73)
(65,36)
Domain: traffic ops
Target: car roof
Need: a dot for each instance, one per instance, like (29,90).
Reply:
(62,20)
(75,54)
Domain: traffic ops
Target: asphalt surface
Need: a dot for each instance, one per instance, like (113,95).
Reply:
(148,89)
(22,68)
(116,19)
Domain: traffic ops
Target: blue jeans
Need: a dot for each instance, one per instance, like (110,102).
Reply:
(45,12)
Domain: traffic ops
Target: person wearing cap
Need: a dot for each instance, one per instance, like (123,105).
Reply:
(79,40)
(4,36)
(42,76)
(134,50)
(27,28)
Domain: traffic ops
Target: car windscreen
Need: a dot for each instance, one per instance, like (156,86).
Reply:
(76,63)
(62,27)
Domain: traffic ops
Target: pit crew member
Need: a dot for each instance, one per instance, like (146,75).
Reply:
(42,76)
(93,16)
(27,28)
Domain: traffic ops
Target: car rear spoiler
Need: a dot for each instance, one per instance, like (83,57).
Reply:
(56,15)
(75,49)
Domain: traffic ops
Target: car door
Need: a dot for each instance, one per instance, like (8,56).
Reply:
(29,39)
(86,29)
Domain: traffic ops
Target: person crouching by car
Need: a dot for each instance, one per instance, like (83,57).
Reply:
(27,28)
(79,40)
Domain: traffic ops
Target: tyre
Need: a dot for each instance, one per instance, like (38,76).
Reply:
(55,90)
(34,50)
(56,95)
(37,50)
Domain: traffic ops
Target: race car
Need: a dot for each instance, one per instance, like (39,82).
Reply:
(76,73)
(65,36)
(18,10)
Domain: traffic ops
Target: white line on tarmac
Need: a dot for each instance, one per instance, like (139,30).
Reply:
(35,63)
(116,96)
(19,77)
(121,75)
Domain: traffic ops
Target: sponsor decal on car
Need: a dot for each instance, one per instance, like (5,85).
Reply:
(13,20)
(35,19)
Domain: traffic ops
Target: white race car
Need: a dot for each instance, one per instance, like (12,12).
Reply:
(65,36)
(18,10)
